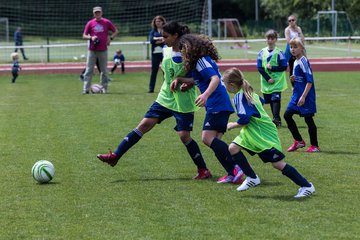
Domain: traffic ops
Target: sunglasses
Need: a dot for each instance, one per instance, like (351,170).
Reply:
(291,20)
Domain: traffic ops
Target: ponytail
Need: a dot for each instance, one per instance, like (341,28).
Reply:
(248,90)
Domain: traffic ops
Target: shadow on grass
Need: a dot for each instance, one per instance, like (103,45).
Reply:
(286,198)
(152,180)
(339,152)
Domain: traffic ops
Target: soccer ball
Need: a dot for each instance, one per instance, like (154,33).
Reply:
(97,88)
(43,171)
(117,61)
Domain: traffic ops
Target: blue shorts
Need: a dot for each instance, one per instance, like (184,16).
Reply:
(184,121)
(269,155)
(272,97)
(216,121)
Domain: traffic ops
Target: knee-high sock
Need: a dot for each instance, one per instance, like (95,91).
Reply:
(312,129)
(241,160)
(276,109)
(130,140)
(292,126)
(222,153)
(295,176)
(195,154)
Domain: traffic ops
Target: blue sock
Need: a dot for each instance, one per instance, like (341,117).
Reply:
(241,160)
(130,140)
(222,153)
(295,176)
(195,154)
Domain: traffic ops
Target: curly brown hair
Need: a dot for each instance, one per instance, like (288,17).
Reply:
(193,47)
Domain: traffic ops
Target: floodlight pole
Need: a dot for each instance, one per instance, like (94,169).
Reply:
(210,18)
(333,18)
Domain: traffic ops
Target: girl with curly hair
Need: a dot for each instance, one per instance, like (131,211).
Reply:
(199,56)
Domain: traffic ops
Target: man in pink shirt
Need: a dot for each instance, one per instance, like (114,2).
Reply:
(97,32)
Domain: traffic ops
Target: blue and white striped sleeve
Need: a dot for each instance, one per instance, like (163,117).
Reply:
(244,110)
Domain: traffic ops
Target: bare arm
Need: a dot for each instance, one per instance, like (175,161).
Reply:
(304,95)
(287,34)
(202,98)
(232,125)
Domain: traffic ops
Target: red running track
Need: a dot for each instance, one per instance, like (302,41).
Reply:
(318,65)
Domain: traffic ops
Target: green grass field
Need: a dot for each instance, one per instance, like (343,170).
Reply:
(150,193)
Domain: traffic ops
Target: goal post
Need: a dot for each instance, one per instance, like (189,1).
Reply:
(67,18)
(334,20)
(4,29)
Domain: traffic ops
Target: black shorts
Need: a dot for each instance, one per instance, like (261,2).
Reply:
(272,97)
(268,155)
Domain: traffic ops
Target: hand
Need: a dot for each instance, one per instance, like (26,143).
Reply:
(292,78)
(301,101)
(271,81)
(201,100)
(231,125)
(186,86)
(268,66)
(173,85)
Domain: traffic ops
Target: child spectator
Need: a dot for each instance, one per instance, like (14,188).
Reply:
(15,66)
(119,59)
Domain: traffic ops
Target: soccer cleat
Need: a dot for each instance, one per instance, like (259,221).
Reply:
(109,158)
(313,149)
(226,179)
(305,191)
(203,173)
(296,145)
(238,175)
(249,183)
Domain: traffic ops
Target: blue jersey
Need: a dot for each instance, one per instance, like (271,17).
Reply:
(244,110)
(219,100)
(121,57)
(303,75)
(15,66)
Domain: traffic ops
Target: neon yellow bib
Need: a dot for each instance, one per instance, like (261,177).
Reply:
(280,83)
(177,101)
(260,133)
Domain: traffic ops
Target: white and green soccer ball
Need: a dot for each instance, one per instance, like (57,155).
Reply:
(43,171)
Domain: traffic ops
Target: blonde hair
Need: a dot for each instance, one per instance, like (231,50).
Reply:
(14,55)
(298,42)
(236,77)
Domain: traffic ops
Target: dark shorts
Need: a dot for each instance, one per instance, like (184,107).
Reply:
(216,121)
(184,121)
(272,97)
(291,111)
(269,155)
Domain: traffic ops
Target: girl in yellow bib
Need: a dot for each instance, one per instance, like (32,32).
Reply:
(178,104)
(272,64)
(258,135)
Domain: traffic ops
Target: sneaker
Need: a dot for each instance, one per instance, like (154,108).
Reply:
(86,92)
(249,183)
(305,191)
(313,149)
(203,174)
(239,175)
(296,145)
(226,179)
(109,158)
